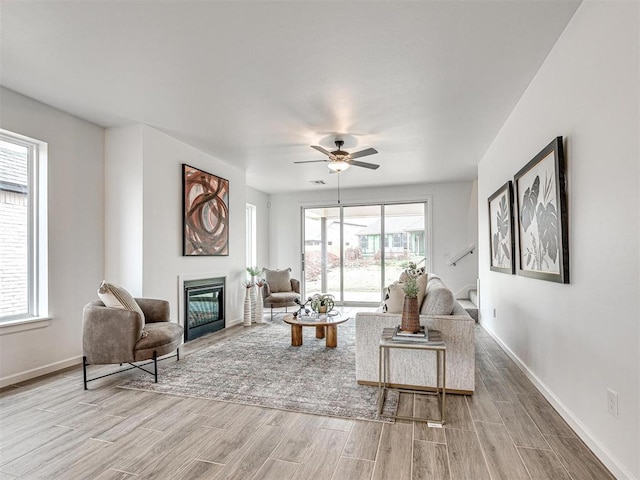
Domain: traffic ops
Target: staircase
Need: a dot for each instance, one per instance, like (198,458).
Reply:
(471,304)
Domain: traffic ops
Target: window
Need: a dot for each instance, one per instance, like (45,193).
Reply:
(23,259)
(355,251)
(251,253)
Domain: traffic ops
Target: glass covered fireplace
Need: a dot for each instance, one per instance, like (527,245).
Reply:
(204,307)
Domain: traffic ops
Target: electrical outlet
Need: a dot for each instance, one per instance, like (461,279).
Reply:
(494,313)
(612,402)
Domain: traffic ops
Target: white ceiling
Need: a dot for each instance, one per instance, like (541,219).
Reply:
(428,84)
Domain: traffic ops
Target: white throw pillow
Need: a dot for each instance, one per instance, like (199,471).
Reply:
(407,273)
(115,296)
(394,295)
(393,298)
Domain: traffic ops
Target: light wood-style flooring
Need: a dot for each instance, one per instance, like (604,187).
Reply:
(51,428)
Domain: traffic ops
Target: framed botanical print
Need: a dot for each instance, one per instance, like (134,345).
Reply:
(541,206)
(501,242)
(205,210)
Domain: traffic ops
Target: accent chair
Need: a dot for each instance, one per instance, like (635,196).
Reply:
(280,290)
(117,335)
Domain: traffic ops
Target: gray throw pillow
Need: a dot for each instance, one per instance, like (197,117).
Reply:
(278,280)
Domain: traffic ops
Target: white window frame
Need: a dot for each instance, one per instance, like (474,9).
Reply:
(37,284)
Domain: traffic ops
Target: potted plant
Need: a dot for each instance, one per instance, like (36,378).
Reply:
(322,302)
(410,313)
(254,272)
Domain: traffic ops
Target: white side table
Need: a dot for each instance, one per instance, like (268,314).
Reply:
(433,344)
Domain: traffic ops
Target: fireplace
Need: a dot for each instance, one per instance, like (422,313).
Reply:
(203,307)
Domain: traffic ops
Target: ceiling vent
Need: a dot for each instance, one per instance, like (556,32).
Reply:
(317,182)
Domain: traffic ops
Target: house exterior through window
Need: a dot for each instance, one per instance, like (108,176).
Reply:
(22,231)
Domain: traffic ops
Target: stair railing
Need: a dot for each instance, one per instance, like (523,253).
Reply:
(456,258)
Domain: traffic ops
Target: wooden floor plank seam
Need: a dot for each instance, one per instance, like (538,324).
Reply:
(484,455)
(342,452)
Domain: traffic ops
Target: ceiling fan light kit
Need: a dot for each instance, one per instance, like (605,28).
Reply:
(338,166)
(339,160)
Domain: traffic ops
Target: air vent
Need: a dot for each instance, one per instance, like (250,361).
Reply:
(317,182)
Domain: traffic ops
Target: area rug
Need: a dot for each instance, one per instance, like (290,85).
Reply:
(260,367)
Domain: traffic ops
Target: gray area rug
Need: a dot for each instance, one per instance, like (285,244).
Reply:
(260,367)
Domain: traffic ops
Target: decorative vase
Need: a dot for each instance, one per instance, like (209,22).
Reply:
(410,315)
(252,297)
(246,318)
(259,311)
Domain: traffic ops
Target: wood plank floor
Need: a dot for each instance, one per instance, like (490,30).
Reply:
(52,429)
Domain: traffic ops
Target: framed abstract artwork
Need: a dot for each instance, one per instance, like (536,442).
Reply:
(541,206)
(205,202)
(501,242)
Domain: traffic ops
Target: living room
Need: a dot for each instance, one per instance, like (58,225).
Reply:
(114,193)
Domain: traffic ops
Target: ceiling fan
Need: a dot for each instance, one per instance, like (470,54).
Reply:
(339,160)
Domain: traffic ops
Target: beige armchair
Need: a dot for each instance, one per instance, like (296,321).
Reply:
(280,290)
(115,335)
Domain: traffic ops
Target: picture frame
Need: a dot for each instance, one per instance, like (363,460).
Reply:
(205,213)
(501,231)
(541,208)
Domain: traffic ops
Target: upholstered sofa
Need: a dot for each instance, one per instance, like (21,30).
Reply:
(409,368)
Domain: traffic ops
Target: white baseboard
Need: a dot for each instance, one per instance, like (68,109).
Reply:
(232,323)
(596,446)
(40,371)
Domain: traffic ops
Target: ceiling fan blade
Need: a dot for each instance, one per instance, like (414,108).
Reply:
(321,150)
(311,161)
(364,153)
(372,166)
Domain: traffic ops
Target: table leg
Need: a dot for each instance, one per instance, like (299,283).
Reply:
(332,336)
(296,335)
(444,382)
(319,332)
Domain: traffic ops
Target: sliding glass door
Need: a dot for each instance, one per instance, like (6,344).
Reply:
(354,251)
(322,256)
(362,264)
(404,238)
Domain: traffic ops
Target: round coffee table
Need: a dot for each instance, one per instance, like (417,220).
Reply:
(326,327)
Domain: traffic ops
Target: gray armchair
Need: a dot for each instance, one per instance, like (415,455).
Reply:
(115,335)
(280,290)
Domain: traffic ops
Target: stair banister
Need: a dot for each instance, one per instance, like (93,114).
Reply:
(456,258)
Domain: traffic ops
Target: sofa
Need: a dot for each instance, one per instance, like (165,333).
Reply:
(417,369)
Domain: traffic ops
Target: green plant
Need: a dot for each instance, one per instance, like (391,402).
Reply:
(322,301)
(411,288)
(254,271)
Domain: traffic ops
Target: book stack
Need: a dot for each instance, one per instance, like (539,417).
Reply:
(403,336)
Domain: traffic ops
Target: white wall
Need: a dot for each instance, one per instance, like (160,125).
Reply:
(578,340)
(160,209)
(261,201)
(123,208)
(76,234)
(450,225)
